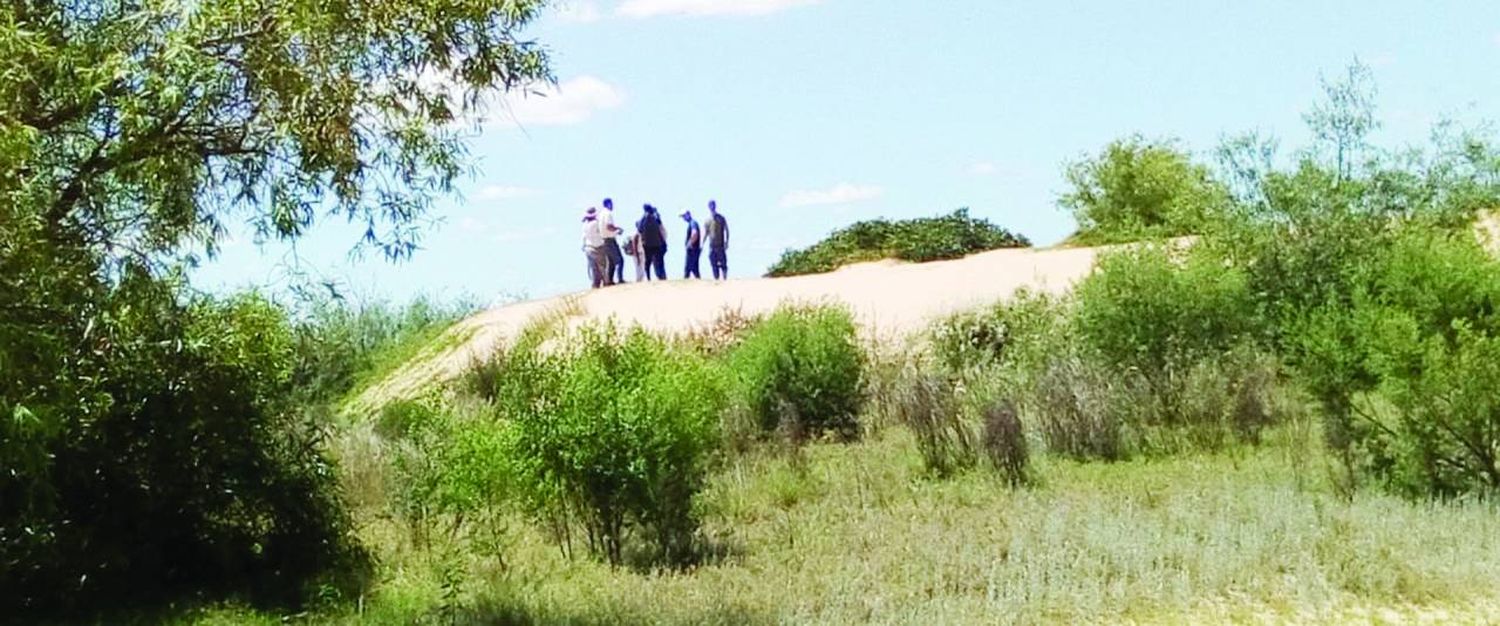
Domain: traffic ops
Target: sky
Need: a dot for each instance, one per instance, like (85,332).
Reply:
(801,116)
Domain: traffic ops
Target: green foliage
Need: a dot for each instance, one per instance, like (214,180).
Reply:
(919,240)
(929,406)
(613,434)
(171,462)
(134,128)
(343,346)
(1138,189)
(151,448)
(1150,307)
(1442,432)
(801,371)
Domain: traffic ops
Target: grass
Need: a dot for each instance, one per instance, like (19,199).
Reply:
(857,533)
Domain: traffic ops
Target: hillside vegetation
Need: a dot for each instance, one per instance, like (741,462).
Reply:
(1293,418)
(950,236)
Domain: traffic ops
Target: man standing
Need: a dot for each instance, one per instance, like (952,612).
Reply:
(614,259)
(654,242)
(694,245)
(718,242)
(593,247)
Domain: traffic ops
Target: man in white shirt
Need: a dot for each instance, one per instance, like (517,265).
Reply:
(614,259)
(593,247)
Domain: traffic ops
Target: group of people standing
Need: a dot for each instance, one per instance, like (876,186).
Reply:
(648,245)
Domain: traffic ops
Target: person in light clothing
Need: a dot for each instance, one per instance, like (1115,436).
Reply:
(593,248)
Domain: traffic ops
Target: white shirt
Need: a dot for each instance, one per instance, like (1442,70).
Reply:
(607,223)
(593,233)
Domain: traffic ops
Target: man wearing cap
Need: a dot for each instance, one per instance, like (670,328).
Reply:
(694,246)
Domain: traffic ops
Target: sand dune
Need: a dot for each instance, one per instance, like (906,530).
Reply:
(889,298)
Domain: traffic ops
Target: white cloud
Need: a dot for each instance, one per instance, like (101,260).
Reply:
(654,8)
(983,168)
(843,193)
(501,192)
(580,12)
(572,101)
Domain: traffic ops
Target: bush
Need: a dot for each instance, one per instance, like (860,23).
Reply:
(174,463)
(1004,442)
(342,346)
(1137,189)
(612,435)
(928,405)
(918,240)
(1080,409)
(1019,332)
(1442,435)
(801,370)
(1153,307)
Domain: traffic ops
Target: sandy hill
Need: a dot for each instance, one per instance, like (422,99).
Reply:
(889,298)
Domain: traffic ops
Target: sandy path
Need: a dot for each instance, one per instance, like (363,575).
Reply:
(889,298)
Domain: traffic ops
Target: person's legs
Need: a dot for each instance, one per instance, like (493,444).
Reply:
(657,262)
(596,267)
(640,267)
(614,271)
(690,268)
(718,260)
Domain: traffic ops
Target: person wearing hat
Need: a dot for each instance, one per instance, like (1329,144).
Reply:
(593,247)
(694,245)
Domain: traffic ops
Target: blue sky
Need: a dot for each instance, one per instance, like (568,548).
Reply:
(800,116)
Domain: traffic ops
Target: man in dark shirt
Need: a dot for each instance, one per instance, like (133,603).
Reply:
(654,241)
(694,244)
(718,242)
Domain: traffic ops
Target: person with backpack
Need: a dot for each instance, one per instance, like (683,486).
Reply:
(718,242)
(694,244)
(653,242)
(638,255)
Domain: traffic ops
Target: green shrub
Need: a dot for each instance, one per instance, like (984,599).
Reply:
(1137,189)
(801,370)
(919,240)
(168,459)
(1152,307)
(1021,331)
(1441,436)
(342,346)
(929,406)
(1004,442)
(612,435)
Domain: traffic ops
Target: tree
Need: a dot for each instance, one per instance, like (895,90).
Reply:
(137,126)
(148,442)
(1343,120)
(1137,188)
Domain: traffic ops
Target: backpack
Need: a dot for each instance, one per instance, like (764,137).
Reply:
(633,245)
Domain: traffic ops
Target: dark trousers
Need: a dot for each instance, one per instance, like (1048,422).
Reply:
(614,271)
(718,259)
(690,269)
(656,263)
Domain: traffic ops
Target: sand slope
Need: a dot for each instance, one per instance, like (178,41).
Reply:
(889,298)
